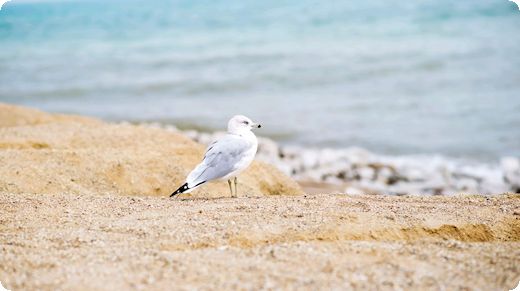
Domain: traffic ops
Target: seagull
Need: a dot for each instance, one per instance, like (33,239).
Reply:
(225,158)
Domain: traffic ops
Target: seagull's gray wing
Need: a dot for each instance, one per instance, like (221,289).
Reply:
(221,158)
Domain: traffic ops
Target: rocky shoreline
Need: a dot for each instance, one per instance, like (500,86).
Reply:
(356,170)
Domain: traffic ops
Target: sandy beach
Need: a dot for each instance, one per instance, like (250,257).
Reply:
(108,242)
(83,205)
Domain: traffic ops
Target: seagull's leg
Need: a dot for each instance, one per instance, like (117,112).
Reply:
(236,183)
(230,188)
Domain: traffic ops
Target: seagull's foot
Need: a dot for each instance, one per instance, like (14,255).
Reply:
(236,189)
(230,187)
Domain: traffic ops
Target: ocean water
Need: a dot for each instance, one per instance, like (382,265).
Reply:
(394,77)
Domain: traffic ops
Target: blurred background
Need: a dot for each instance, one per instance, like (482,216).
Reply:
(394,77)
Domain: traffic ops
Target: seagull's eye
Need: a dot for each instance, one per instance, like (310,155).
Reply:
(246,122)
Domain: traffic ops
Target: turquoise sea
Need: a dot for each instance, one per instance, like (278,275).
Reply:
(394,77)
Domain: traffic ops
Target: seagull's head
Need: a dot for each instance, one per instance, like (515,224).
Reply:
(239,123)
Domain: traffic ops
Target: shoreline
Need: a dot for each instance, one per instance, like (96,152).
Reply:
(349,170)
(356,170)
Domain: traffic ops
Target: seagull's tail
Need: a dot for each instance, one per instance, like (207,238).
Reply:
(185,188)
(181,189)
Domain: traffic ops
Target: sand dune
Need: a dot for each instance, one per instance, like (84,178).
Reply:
(45,153)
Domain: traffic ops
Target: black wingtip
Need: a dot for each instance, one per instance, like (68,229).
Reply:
(181,189)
